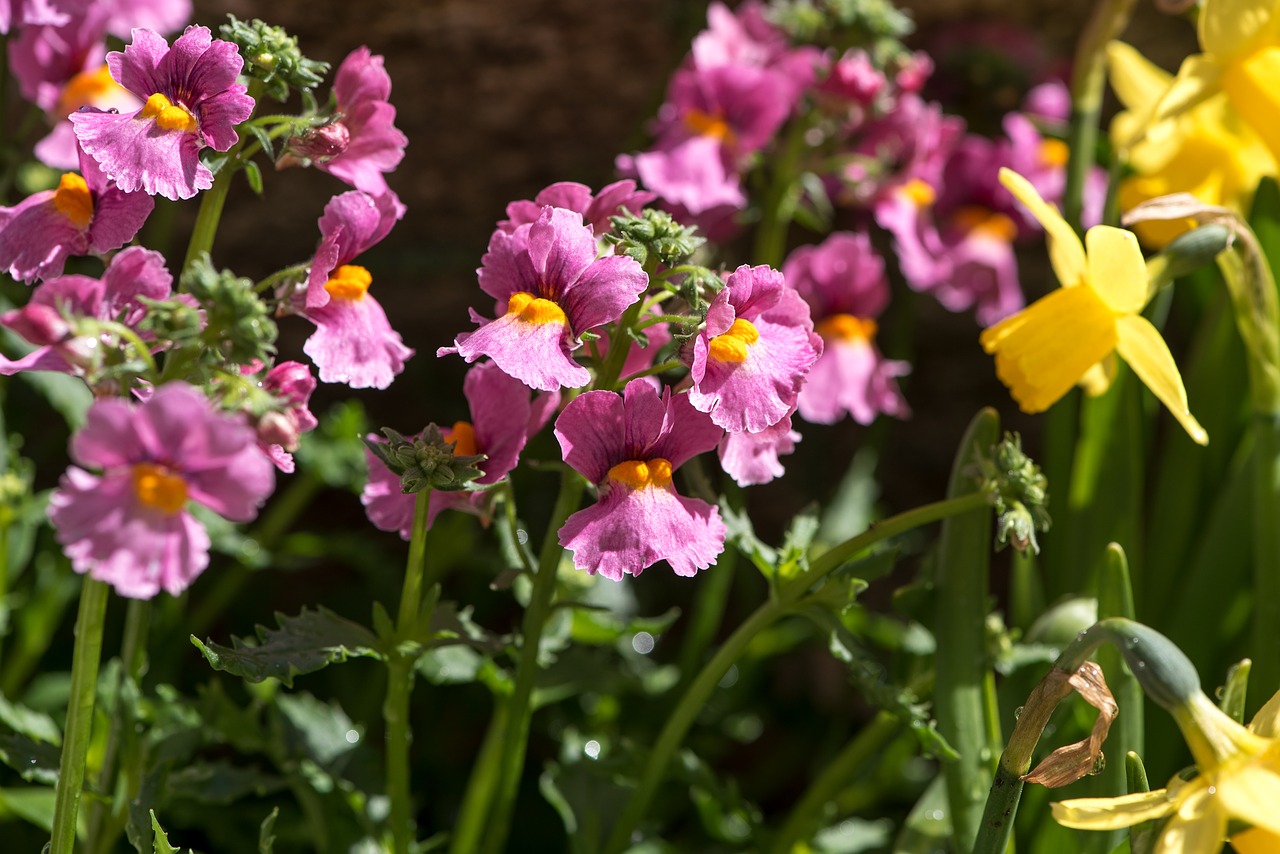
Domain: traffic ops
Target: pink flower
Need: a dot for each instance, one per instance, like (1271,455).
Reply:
(191,100)
(503,419)
(854,78)
(842,280)
(373,143)
(549,287)
(163,16)
(751,359)
(613,200)
(279,430)
(752,458)
(84,215)
(129,526)
(353,342)
(133,275)
(628,446)
(32,13)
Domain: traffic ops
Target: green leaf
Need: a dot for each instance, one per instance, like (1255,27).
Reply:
(741,533)
(220,783)
(266,833)
(253,175)
(302,644)
(320,731)
(928,825)
(32,804)
(34,725)
(160,845)
(264,139)
(35,761)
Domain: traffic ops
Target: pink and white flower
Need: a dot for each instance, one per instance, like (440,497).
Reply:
(629,445)
(129,525)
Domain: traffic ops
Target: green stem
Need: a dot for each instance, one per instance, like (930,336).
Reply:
(1266,557)
(395,709)
(144,352)
(708,614)
(787,598)
(960,696)
(778,206)
(1088,82)
(520,709)
(619,346)
(656,369)
(846,766)
(86,657)
(212,201)
(473,815)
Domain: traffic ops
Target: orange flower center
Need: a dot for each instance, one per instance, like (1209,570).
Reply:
(986,222)
(639,474)
(168,115)
(73,200)
(1054,152)
(463,436)
(158,487)
(530,309)
(705,124)
(847,327)
(86,88)
(918,192)
(349,282)
(732,345)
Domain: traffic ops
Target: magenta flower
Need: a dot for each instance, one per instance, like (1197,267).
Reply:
(744,37)
(191,100)
(84,215)
(752,357)
(613,200)
(27,13)
(163,16)
(753,458)
(373,144)
(279,430)
(628,445)
(503,419)
(691,176)
(129,526)
(353,342)
(853,78)
(842,280)
(549,288)
(133,275)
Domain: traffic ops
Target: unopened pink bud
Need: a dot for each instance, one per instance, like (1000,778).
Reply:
(291,381)
(40,324)
(323,143)
(277,428)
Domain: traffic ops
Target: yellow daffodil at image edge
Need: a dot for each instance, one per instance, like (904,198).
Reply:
(1239,778)
(1071,335)
(1240,40)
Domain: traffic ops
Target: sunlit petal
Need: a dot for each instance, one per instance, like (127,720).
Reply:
(1113,813)
(1198,827)
(1228,26)
(1252,794)
(1142,347)
(1117,271)
(1197,80)
(1065,252)
(1266,722)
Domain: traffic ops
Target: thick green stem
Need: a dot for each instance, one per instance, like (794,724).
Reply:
(1266,558)
(212,201)
(520,709)
(1088,81)
(778,206)
(846,766)
(395,709)
(473,815)
(619,346)
(75,743)
(960,696)
(708,613)
(787,597)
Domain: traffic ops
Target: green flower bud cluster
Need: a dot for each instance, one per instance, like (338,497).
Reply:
(844,23)
(1019,491)
(238,325)
(271,56)
(654,236)
(426,462)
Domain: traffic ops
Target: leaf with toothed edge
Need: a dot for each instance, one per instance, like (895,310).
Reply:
(303,644)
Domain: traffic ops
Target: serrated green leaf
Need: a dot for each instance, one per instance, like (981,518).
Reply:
(266,833)
(265,140)
(303,644)
(741,533)
(160,843)
(220,783)
(35,762)
(253,175)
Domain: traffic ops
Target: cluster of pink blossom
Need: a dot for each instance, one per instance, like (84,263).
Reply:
(129,126)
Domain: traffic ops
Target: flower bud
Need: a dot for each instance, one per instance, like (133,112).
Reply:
(427,462)
(40,324)
(321,143)
(278,428)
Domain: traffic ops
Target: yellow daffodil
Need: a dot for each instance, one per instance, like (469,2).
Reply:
(1070,336)
(1241,44)
(1207,151)
(1239,778)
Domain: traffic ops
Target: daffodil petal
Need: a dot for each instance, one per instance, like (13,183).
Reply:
(1097,380)
(1113,813)
(1252,794)
(1065,252)
(1198,827)
(1228,26)
(1141,346)
(1198,79)
(1256,841)
(1266,722)
(1139,83)
(1117,271)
